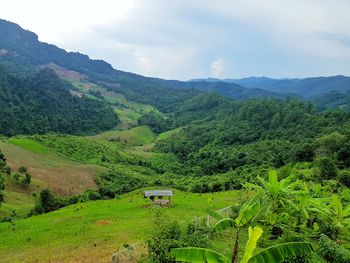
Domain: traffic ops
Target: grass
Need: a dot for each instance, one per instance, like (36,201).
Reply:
(128,111)
(62,175)
(21,203)
(29,144)
(93,231)
(168,134)
(137,136)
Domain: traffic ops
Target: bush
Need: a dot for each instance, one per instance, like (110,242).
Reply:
(344,178)
(2,187)
(168,235)
(164,238)
(331,251)
(328,169)
(47,203)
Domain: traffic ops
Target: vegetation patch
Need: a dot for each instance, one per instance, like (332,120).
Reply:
(29,144)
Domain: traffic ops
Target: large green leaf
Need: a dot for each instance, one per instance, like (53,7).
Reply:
(198,255)
(249,210)
(273,182)
(224,224)
(214,214)
(337,205)
(278,253)
(254,235)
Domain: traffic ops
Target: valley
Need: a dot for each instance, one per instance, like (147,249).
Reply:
(81,141)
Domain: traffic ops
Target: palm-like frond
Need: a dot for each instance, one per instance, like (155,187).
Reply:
(249,210)
(224,224)
(214,214)
(278,253)
(254,235)
(198,255)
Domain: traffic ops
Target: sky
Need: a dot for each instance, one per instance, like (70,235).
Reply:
(186,39)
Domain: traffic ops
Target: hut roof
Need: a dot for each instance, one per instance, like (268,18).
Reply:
(158,193)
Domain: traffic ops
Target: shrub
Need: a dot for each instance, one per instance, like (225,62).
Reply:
(331,251)
(327,167)
(168,235)
(344,178)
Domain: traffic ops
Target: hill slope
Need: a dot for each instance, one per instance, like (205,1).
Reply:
(93,231)
(303,87)
(23,47)
(42,102)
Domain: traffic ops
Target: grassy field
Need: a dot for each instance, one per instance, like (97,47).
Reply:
(62,175)
(93,231)
(29,145)
(137,136)
(168,134)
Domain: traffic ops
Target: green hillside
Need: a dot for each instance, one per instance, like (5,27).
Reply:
(41,102)
(47,167)
(80,141)
(93,231)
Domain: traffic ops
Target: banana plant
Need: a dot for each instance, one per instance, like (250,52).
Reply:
(273,254)
(341,216)
(278,198)
(246,215)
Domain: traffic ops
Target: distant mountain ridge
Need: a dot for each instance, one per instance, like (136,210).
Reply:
(303,87)
(23,47)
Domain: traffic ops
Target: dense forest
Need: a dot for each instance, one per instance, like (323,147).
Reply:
(41,102)
(285,156)
(255,132)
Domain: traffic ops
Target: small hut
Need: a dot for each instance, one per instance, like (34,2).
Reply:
(157,197)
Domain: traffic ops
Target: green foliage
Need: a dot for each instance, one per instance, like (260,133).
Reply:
(41,103)
(253,236)
(81,148)
(344,178)
(198,255)
(3,169)
(169,235)
(156,121)
(26,180)
(327,167)
(331,251)
(256,132)
(28,144)
(2,187)
(274,254)
(278,253)
(22,170)
(47,202)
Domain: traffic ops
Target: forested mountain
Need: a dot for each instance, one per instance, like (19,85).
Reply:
(333,100)
(231,90)
(23,47)
(253,133)
(303,87)
(41,102)
(285,160)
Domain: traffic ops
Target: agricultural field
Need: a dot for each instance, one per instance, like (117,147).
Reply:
(93,231)
(53,170)
(260,167)
(137,136)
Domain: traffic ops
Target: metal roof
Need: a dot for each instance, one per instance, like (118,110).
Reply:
(158,193)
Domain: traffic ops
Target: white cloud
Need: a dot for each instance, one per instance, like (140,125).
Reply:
(217,67)
(188,39)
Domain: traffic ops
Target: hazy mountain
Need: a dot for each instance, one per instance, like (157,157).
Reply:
(304,87)
(23,47)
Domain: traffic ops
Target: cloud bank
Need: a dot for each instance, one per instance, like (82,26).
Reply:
(191,39)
